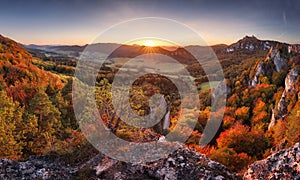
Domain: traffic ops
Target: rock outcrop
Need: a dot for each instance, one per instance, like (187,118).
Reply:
(281,109)
(181,164)
(279,62)
(262,67)
(184,163)
(36,167)
(284,164)
(221,90)
(259,70)
(250,44)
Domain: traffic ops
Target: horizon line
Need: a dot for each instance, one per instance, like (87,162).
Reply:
(84,44)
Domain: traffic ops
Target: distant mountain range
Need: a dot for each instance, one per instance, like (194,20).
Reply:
(113,50)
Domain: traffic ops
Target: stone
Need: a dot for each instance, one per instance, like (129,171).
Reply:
(284,164)
(36,167)
(281,109)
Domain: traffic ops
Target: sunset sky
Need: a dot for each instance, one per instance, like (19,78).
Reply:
(80,21)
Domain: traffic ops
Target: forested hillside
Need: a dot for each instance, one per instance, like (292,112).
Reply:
(36,109)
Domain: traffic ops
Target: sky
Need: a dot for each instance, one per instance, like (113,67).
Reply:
(81,21)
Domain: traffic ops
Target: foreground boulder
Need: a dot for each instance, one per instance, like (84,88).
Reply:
(284,164)
(36,167)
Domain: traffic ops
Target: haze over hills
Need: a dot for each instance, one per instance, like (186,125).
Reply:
(247,43)
(228,55)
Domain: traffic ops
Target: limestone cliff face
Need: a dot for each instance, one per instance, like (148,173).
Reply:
(281,110)
(274,62)
(284,164)
(263,67)
(259,70)
(290,80)
(279,62)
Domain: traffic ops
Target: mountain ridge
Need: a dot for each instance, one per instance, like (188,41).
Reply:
(247,40)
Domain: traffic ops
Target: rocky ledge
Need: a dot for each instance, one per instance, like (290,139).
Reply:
(181,164)
(284,164)
(36,167)
(184,163)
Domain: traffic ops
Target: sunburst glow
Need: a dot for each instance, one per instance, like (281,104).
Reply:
(149,43)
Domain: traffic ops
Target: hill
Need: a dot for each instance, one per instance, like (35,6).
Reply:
(31,104)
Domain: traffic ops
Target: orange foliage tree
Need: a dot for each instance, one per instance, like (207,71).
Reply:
(242,139)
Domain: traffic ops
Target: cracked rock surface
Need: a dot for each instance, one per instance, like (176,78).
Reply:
(284,164)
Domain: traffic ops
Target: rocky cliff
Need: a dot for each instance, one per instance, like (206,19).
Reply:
(284,164)
(281,110)
(273,62)
(277,61)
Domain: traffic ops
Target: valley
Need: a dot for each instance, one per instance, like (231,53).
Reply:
(259,80)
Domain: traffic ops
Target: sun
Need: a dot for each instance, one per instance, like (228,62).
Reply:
(149,43)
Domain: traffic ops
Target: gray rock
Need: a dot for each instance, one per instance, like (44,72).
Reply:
(183,164)
(284,164)
(281,109)
(259,70)
(221,90)
(36,167)
(279,62)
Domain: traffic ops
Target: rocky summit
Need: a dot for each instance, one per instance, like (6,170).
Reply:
(284,164)
(184,163)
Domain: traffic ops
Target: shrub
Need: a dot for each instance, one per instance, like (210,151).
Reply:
(241,139)
(231,159)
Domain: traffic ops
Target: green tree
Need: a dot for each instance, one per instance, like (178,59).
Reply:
(11,115)
(29,133)
(279,77)
(48,121)
(293,127)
